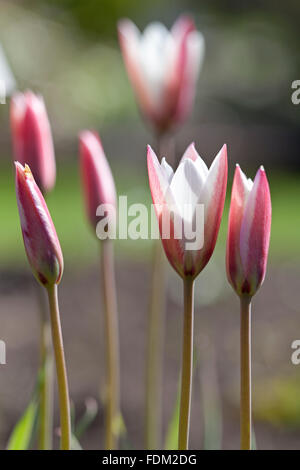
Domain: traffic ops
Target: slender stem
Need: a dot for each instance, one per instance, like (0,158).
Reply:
(45,420)
(246,427)
(187,364)
(154,368)
(63,391)
(156,320)
(46,390)
(112,347)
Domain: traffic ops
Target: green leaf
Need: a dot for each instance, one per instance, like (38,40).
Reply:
(21,434)
(89,415)
(75,444)
(172,432)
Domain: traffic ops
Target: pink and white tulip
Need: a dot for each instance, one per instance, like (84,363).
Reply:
(40,239)
(32,138)
(97,180)
(179,193)
(249,230)
(163,67)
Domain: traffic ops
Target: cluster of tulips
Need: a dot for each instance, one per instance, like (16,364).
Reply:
(162,66)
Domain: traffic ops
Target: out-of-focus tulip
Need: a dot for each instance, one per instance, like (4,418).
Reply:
(40,239)
(248,232)
(180,193)
(97,180)
(163,67)
(32,138)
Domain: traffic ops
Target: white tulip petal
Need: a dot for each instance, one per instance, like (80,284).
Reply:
(210,183)
(167,169)
(186,186)
(192,154)
(196,52)
(155,54)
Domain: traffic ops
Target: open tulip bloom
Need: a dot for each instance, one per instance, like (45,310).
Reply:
(163,67)
(248,239)
(177,198)
(45,258)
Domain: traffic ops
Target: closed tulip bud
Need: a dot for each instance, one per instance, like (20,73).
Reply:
(40,239)
(249,229)
(163,67)
(97,180)
(180,193)
(32,138)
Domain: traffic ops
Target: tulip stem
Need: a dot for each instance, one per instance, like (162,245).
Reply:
(154,368)
(63,391)
(187,364)
(46,390)
(156,320)
(45,420)
(245,373)
(112,398)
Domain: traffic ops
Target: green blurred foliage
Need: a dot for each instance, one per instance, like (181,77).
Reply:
(276,401)
(97,17)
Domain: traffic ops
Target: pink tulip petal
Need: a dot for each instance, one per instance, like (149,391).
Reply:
(163,200)
(40,239)
(97,180)
(255,231)
(32,139)
(213,197)
(192,154)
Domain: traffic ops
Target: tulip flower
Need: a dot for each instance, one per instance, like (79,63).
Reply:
(99,190)
(32,145)
(97,180)
(176,197)
(45,258)
(192,184)
(246,260)
(163,67)
(32,139)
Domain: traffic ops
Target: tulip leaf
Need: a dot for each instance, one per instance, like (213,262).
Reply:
(172,432)
(75,444)
(89,415)
(20,437)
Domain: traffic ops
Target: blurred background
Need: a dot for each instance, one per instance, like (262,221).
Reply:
(68,51)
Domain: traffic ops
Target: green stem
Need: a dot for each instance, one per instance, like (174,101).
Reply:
(154,367)
(112,401)
(245,373)
(156,320)
(45,418)
(187,364)
(46,389)
(63,391)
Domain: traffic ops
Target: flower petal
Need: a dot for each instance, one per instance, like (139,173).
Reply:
(213,197)
(97,180)
(255,232)
(129,38)
(167,169)
(186,186)
(239,196)
(40,239)
(192,154)
(32,138)
(164,204)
